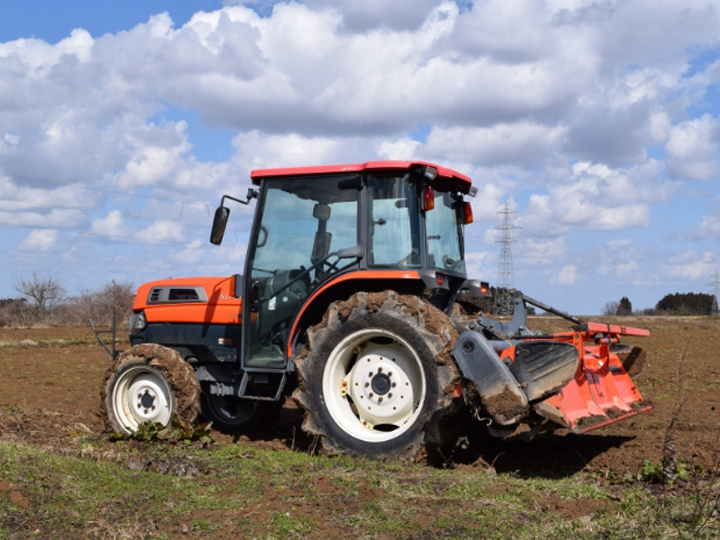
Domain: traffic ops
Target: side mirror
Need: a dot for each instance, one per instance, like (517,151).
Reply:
(219,223)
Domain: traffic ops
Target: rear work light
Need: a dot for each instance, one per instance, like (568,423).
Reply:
(428,198)
(430,172)
(467,207)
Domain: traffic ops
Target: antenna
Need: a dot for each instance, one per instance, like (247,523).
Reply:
(503,304)
(716,293)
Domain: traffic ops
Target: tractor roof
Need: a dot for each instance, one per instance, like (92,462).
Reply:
(459,181)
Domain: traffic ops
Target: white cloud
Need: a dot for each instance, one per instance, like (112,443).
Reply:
(691,265)
(39,240)
(524,143)
(553,105)
(536,252)
(567,276)
(112,226)
(592,197)
(709,227)
(370,14)
(692,149)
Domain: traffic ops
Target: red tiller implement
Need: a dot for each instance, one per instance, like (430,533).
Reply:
(580,379)
(602,391)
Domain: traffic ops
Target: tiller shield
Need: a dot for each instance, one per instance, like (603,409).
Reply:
(581,379)
(602,391)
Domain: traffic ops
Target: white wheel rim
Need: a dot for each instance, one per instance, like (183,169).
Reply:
(374,392)
(141,395)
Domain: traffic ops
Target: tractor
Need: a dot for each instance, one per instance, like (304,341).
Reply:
(350,301)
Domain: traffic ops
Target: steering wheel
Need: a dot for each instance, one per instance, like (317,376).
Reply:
(261,243)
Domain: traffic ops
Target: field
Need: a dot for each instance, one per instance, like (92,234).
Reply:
(649,476)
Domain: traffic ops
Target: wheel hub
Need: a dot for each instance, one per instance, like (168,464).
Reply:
(381,384)
(142,395)
(146,400)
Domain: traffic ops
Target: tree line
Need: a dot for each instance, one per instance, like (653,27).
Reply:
(44,301)
(674,304)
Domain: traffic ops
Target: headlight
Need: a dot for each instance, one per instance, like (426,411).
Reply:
(137,322)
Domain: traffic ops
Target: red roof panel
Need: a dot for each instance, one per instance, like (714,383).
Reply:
(444,172)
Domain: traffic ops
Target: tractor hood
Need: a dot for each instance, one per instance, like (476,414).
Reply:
(204,300)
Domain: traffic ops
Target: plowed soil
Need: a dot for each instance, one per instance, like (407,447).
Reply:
(50,390)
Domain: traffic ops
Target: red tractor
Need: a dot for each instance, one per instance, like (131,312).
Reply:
(349,302)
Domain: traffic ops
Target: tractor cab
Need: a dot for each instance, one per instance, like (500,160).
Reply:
(315,227)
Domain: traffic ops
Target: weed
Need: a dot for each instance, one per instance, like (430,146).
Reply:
(178,431)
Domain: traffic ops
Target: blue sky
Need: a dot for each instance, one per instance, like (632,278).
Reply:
(121,126)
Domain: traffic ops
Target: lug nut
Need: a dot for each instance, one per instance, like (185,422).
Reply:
(389,395)
(367,384)
(380,399)
(380,368)
(371,394)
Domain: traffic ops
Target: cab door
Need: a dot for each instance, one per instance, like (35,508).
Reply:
(301,222)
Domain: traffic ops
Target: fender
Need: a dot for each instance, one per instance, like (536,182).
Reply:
(336,289)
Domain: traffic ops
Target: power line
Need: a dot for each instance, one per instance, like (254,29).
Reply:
(101,190)
(33,206)
(503,304)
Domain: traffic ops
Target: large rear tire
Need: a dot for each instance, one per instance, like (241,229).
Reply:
(148,383)
(377,380)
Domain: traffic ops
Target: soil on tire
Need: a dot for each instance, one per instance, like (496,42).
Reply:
(432,327)
(182,379)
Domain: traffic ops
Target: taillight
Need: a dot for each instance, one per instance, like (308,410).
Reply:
(468,213)
(428,198)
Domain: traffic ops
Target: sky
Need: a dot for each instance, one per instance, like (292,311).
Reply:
(596,121)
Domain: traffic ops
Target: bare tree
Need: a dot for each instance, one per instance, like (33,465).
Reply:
(98,304)
(611,308)
(45,292)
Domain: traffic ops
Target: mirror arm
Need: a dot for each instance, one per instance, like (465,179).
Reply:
(251,194)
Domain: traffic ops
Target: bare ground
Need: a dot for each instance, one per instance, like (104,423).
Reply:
(49,390)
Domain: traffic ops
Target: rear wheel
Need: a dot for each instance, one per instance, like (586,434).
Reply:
(230,413)
(377,379)
(149,383)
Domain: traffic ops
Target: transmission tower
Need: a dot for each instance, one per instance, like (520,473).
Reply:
(503,304)
(716,293)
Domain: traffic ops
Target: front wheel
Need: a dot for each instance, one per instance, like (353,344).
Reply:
(377,379)
(148,383)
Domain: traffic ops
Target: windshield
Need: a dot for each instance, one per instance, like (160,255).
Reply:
(444,235)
